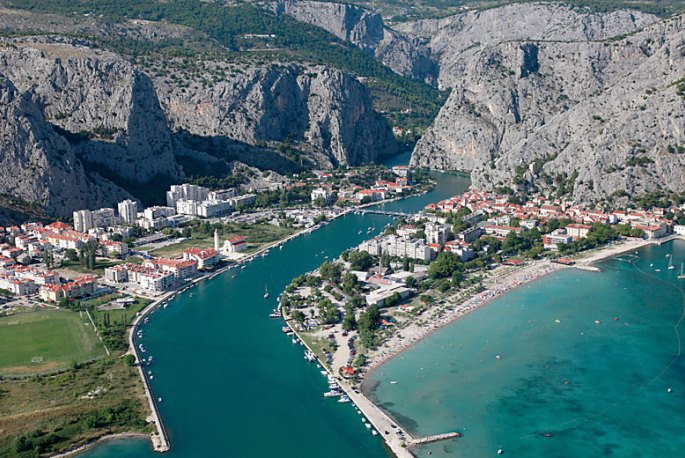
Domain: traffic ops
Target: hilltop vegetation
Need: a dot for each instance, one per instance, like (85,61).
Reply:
(248,32)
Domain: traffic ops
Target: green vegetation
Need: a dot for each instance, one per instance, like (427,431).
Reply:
(235,28)
(47,414)
(46,341)
(201,234)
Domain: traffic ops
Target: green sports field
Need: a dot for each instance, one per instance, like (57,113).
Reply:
(46,341)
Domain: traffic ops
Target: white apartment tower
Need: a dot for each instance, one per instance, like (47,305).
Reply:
(128,211)
(83,220)
(185,191)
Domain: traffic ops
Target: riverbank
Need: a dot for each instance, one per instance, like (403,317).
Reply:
(159,438)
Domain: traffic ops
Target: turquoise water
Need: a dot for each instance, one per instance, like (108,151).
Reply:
(598,389)
(231,383)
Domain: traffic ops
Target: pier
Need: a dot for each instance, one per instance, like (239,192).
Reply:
(383,212)
(435,438)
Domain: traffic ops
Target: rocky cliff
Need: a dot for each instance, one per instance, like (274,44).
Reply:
(406,55)
(550,98)
(130,122)
(38,165)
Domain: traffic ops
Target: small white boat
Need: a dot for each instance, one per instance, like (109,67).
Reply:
(374,432)
(242,267)
(332,394)
(266,292)
(393,382)
(344,399)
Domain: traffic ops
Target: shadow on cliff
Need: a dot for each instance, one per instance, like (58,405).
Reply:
(197,156)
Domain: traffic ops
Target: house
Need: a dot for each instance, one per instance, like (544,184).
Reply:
(578,230)
(235,245)
(181,268)
(381,295)
(557,237)
(501,231)
(653,231)
(206,257)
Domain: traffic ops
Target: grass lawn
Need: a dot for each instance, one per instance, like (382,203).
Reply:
(255,234)
(100,266)
(46,341)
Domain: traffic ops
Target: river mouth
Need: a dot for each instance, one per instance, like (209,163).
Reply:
(225,371)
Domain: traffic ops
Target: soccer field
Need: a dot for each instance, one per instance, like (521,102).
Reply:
(44,341)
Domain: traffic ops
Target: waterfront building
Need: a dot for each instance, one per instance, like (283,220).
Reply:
(321,193)
(397,246)
(128,211)
(653,231)
(147,278)
(557,237)
(235,245)
(180,268)
(578,230)
(205,257)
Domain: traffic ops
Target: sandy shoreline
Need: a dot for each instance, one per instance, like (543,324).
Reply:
(495,287)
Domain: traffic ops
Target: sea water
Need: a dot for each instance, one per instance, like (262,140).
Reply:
(231,383)
(586,363)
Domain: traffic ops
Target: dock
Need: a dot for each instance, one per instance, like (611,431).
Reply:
(435,438)
(398,439)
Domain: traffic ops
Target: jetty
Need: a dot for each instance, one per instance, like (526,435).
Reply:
(398,439)
(435,438)
(383,212)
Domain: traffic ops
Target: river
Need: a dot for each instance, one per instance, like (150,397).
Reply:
(232,384)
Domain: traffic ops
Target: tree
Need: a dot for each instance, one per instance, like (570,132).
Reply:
(349,283)
(349,322)
(445,265)
(331,271)
(385,259)
(298,316)
(360,260)
(130,360)
(48,259)
(71,255)
(411,282)
(405,264)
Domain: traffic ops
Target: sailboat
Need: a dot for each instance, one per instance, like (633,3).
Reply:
(670,263)
(266,292)
(681,276)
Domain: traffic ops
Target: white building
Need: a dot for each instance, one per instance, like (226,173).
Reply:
(128,211)
(437,233)
(235,245)
(397,246)
(221,194)
(185,191)
(105,217)
(83,220)
(321,193)
(152,213)
(214,208)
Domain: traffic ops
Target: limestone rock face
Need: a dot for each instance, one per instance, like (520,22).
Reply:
(544,96)
(38,165)
(406,55)
(324,112)
(115,120)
